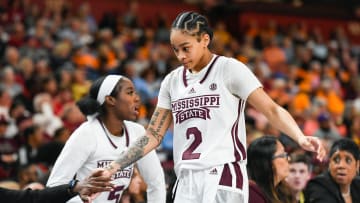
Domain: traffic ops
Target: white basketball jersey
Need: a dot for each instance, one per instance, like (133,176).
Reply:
(208,112)
(91,146)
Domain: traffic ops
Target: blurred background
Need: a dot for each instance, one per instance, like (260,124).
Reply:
(306,54)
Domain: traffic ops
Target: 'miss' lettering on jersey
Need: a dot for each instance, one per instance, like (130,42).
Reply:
(195,107)
(125,173)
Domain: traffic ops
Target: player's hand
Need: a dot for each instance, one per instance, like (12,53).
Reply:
(112,168)
(92,186)
(313,144)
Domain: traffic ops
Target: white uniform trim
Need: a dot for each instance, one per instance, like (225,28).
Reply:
(107,87)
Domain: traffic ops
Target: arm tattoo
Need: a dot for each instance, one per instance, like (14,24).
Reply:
(154,117)
(156,132)
(134,153)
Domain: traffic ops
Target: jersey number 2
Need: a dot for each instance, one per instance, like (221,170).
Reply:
(189,152)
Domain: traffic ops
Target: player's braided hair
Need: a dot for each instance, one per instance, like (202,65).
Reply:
(192,23)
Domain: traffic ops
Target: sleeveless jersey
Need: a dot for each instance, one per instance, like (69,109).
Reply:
(208,112)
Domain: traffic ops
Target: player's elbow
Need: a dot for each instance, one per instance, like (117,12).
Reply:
(155,135)
(273,111)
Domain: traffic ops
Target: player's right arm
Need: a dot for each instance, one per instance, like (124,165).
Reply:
(159,123)
(74,154)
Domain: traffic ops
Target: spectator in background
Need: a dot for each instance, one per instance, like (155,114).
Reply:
(341,183)
(32,48)
(34,138)
(7,81)
(326,131)
(279,92)
(30,173)
(23,122)
(131,17)
(48,153)
(299,174)
(86,16)
(355,129)
(61,54)
(72,117)
(25,77)
(12,57)
(273,55)
(8,152)
(17,36)
(301,101)
(328,92)
(49,85)
(5,101)
(268,166)
(80,85)
(44,114)
(62,99)
(16,111)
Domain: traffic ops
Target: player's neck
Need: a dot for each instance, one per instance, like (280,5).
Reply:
(114,126)
(204,61)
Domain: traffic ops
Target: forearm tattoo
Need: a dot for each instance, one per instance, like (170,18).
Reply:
(134,153)
(156,132)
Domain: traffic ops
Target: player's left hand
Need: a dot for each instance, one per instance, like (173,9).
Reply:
(313,144)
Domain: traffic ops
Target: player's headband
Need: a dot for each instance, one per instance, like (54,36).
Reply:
(107,86)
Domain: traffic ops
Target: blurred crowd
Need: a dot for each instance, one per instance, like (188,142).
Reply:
(50,55)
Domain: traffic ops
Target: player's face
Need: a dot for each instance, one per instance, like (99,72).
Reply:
(298,176)
(127,101)
(189,49)
(280,163)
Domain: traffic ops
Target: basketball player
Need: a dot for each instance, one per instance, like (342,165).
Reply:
(205,99)
(99,141)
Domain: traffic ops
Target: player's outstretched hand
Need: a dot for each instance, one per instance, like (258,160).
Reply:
(92,186)
(313,144)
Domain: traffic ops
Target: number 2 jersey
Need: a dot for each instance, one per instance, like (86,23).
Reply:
(208,112)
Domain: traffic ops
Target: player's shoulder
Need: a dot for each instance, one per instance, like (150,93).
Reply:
(133,125)
(134,129)
(176,72)
(88,126)
(172,77)
(230,61)
(231,65)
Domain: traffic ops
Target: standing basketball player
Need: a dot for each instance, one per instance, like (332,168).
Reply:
(205,99)
(97,142)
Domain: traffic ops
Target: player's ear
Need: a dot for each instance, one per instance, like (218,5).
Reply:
(110,100)
(205,39)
